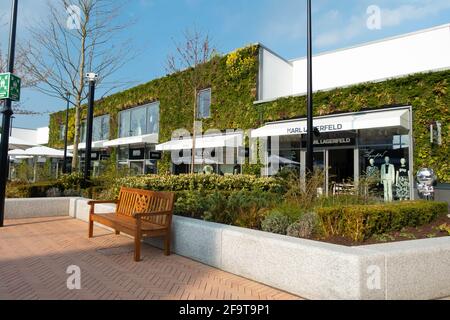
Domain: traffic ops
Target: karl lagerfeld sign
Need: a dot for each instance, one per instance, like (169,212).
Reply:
(322,129)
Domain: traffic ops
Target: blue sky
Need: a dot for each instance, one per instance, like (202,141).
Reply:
(278,24)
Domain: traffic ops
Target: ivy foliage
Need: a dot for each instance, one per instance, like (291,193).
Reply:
(233,82)
(234,90)
(427,93)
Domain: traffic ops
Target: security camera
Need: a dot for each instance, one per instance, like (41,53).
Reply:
(91,76)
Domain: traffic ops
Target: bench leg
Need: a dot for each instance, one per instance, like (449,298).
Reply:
(137,246)
(91,228)
(167,245)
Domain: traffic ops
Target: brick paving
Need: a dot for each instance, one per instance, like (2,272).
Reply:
(35,255)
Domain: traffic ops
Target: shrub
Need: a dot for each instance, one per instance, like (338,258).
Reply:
(190,204)
(305,226)
(360,222)
(276,222)
(240,208)
(53,193)
(72,181)
(201,182)
(35,190)
(71,193)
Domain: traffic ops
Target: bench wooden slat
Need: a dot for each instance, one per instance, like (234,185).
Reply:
(135,201)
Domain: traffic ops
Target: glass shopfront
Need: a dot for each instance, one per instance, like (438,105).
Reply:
(380,157)
(138,159)
(207,162)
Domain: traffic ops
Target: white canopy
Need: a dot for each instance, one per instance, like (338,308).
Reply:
(205,142)
(277,159)
(16,143)
(149,139)
(95,145)
(343,122)
(39,151)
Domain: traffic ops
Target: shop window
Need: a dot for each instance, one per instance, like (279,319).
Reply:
(204,104)
(384,137)
(100,129)
(387,171)
(62,132)
(139,121)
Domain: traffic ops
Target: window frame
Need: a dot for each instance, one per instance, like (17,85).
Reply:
(199,93)
(84,125)
(147,107)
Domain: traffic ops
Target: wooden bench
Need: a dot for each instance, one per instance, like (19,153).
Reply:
(139,213)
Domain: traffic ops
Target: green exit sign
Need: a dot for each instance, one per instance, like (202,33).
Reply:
(9,86)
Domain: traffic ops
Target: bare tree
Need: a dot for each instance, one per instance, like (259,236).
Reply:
(77,37)
(191,56)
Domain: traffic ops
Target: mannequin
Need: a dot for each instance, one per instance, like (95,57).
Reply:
(388,179)
(402,181)
(372,171)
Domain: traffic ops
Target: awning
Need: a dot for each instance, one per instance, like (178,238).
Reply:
(95,145)
(204,142)
(39,151)
(16,143)
(343,122)
(149,139)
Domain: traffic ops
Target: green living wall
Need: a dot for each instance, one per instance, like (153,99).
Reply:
(233,79)
(427,93)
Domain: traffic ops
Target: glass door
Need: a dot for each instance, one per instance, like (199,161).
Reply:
(341,171)
(136,168)
(320,165)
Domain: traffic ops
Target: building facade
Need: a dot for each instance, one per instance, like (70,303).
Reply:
(377,107)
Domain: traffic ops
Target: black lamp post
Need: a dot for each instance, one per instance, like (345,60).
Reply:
(310,109)
(7,113)
(64,168)
(92,78)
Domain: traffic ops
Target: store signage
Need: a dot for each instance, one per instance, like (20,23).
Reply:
(322,129)
(10,86)
(332,142)
(137,154)
(373,154)
(155,155)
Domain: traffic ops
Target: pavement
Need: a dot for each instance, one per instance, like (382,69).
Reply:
(37,254)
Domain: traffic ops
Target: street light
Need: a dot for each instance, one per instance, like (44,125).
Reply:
(7,113)
(64,168)
(92,78)
(310,108)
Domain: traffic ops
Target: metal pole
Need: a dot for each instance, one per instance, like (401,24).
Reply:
(64,168)
(11,128)
(7,113)
(310,109)
(89,125)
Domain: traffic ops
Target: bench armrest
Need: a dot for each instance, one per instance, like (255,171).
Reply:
(93,203)
(152,214)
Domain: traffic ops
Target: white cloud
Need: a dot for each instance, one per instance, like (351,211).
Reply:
(410,12)
(345,30)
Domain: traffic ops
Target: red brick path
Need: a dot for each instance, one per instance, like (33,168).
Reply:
(35,254)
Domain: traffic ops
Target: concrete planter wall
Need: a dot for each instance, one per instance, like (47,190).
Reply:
(34,208)
(417,269)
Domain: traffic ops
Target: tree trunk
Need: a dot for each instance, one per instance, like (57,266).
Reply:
(194,133)
(76,140)
(80,90)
